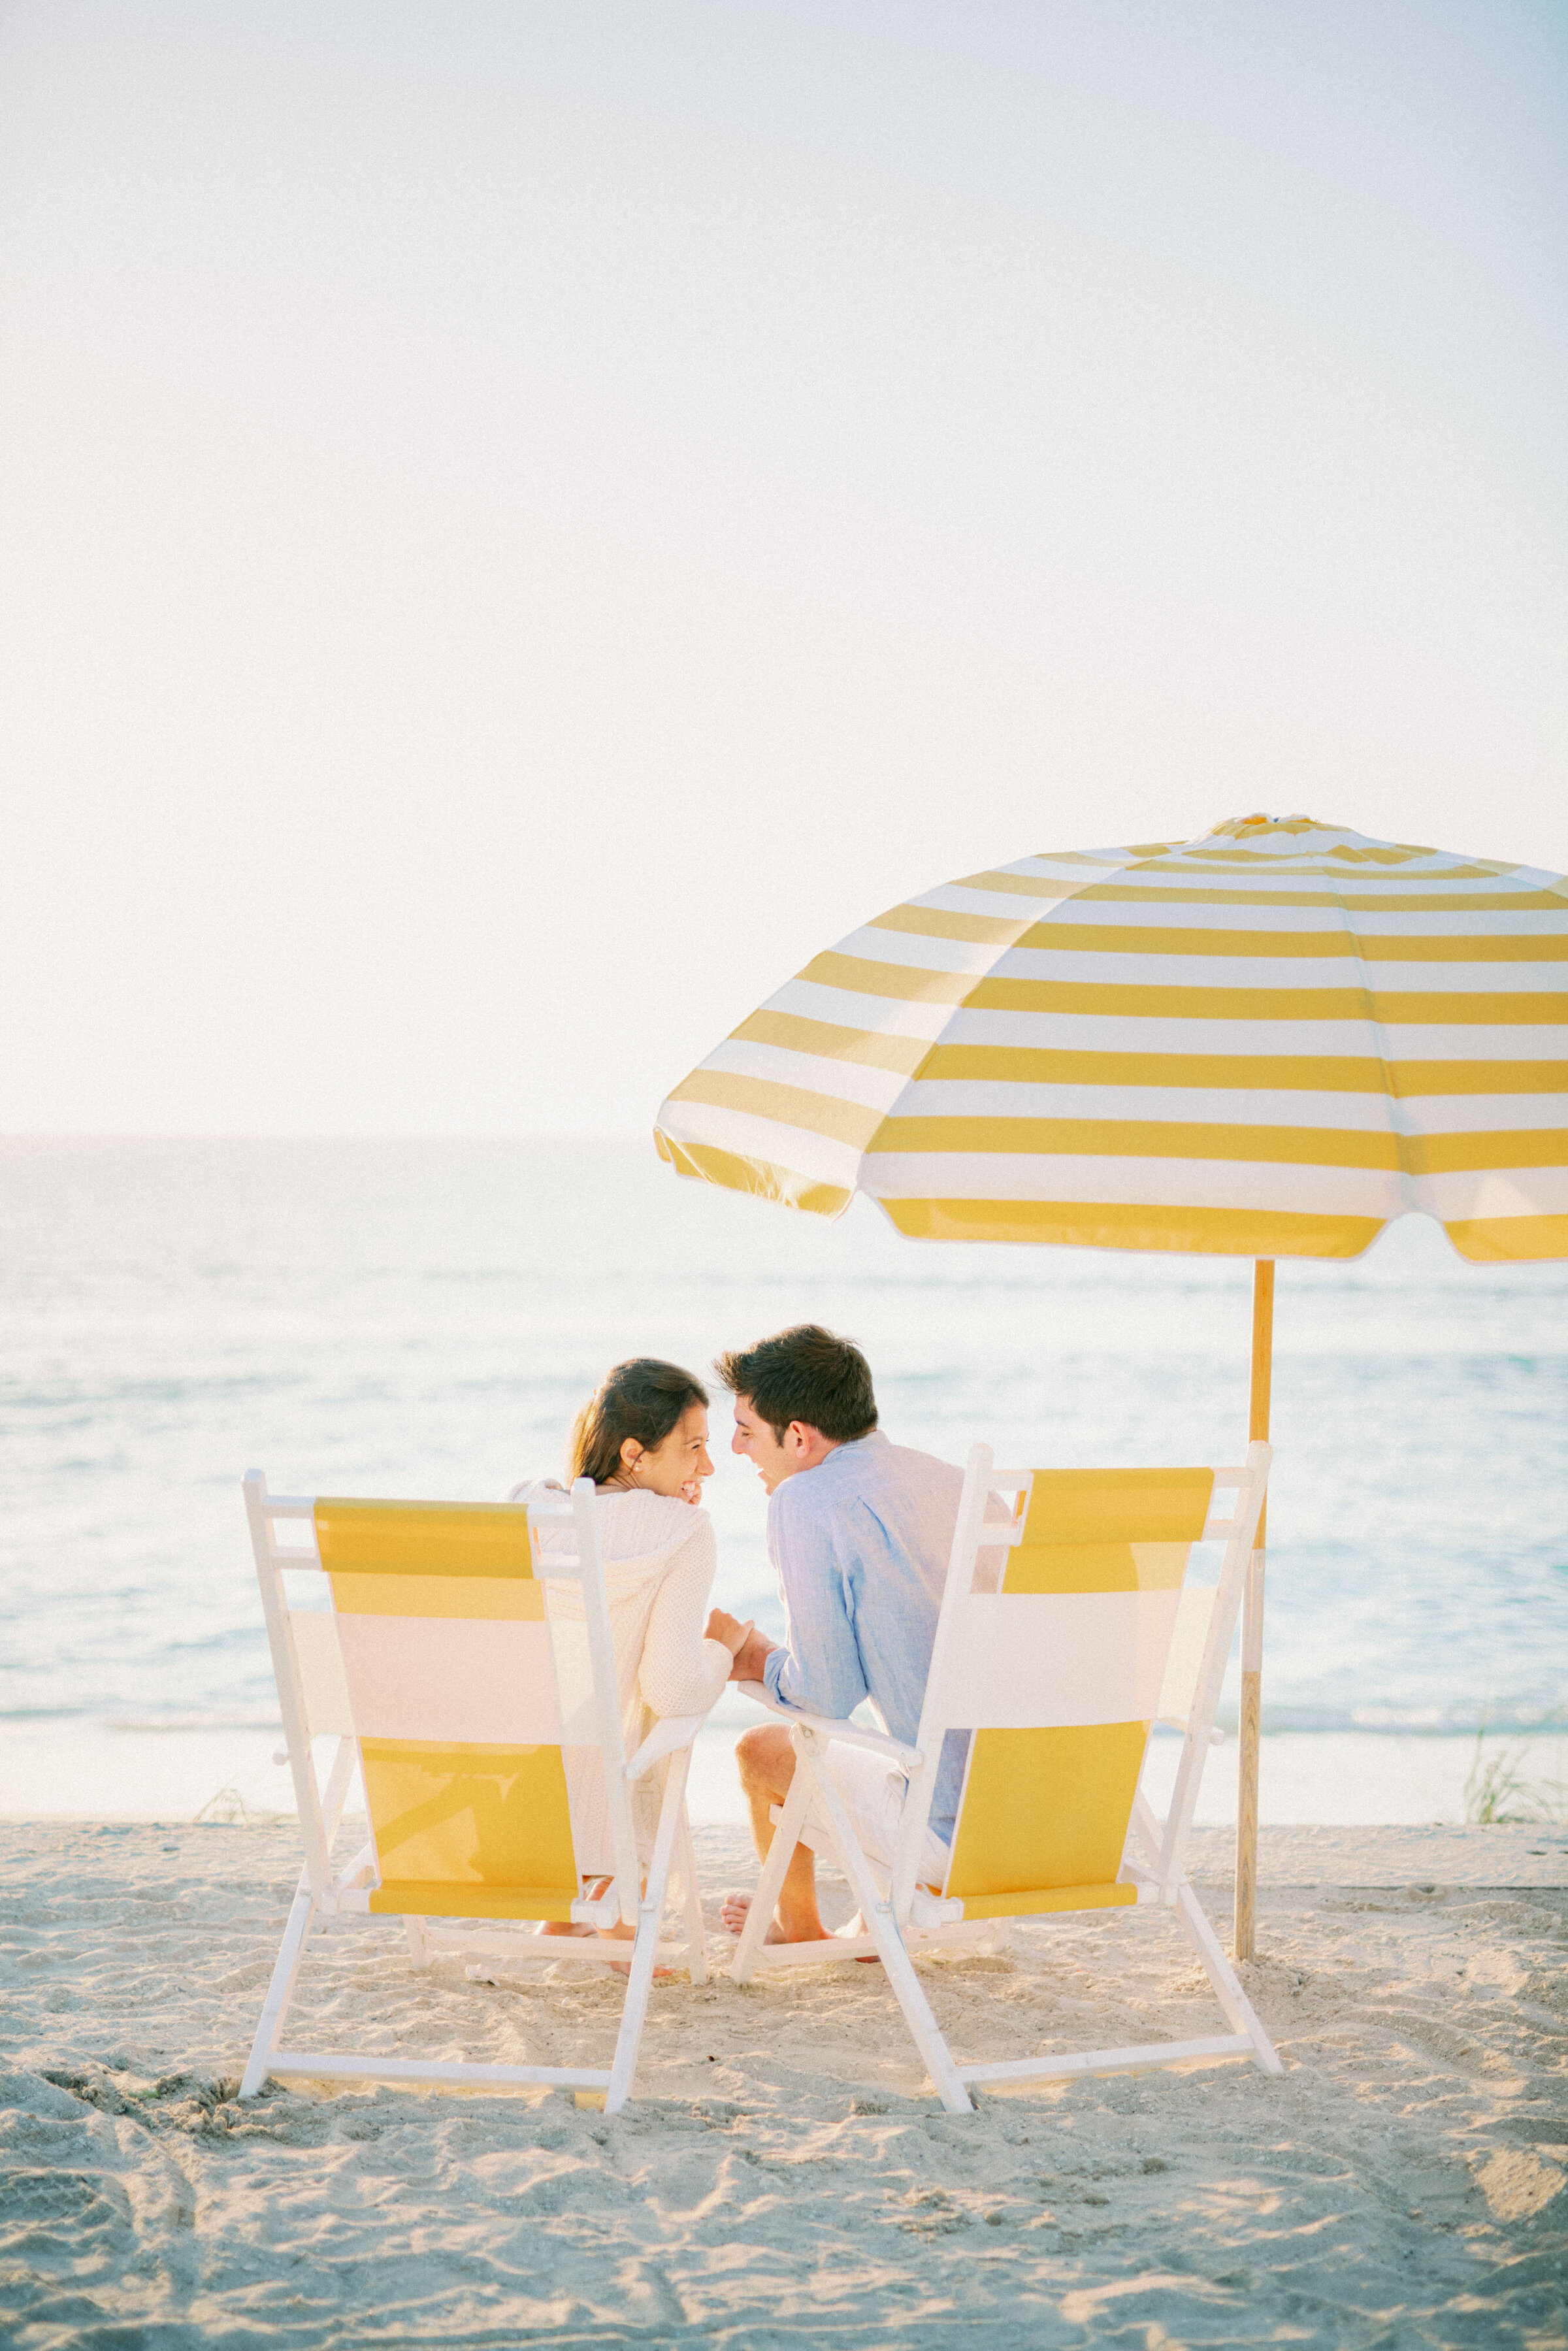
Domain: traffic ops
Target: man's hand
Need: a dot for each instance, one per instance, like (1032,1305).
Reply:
(727,1629)
(751,1656)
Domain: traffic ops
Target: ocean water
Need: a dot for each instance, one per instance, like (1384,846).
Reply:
(422,1318)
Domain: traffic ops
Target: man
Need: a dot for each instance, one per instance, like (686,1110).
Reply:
(859,1532)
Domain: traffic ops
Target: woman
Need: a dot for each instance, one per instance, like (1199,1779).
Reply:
(642,1439)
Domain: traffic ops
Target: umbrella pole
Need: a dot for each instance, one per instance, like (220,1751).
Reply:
(1252,1626)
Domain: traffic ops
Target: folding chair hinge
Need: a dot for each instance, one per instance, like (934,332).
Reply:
(929,1910)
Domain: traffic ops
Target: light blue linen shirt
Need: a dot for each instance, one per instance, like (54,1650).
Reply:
(861,1545)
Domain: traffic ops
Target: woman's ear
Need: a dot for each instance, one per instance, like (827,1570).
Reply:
(631,1454)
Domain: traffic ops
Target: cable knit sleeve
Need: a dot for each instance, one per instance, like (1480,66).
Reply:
(681,1673)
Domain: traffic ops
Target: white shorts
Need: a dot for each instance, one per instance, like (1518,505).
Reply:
(871,1792)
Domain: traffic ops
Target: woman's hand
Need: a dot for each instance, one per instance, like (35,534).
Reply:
(729,1630)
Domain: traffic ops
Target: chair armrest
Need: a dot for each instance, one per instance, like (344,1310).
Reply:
(852,1734)
(605,1912)
(677,1730)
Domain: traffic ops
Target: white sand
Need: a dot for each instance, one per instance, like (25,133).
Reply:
(785,2176)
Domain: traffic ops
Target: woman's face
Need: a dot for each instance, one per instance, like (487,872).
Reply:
(679,1466)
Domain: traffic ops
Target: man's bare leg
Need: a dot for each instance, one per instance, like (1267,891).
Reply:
(766,1757)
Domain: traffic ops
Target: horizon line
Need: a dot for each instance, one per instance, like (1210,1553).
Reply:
(324,1135)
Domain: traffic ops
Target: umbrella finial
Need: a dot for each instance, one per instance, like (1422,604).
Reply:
(1232,826)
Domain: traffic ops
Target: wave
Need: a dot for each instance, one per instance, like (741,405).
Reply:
(1382,1722)
(1451,1721)
(22,1718)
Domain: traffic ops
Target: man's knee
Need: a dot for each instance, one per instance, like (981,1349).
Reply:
(765,1757)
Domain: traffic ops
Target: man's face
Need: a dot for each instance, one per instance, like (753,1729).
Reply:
(753,1438)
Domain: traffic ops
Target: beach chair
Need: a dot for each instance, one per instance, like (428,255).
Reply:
(417,1636)
(1089,1621)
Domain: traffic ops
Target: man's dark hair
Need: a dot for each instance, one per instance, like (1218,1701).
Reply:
(806,1374)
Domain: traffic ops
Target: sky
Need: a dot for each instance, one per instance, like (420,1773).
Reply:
(521,522)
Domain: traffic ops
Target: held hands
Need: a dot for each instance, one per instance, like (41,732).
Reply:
(727,1629)
(748,1648)
(751,1656)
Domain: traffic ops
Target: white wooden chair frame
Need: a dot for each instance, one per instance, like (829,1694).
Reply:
(314,1697)
(905,1917)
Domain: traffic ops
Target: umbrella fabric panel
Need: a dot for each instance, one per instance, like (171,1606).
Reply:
(1269,1041)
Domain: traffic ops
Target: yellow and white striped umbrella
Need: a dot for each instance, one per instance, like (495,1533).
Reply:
(1268,1042)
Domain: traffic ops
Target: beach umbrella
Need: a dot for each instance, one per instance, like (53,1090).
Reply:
(1267,1042)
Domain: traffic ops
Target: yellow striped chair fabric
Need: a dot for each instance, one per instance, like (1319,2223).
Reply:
(462,1695)
(1060,1674)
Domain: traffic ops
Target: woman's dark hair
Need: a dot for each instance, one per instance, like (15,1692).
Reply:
(806,1374)
(643,1398)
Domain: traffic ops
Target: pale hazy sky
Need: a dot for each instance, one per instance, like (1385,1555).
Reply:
(521,522)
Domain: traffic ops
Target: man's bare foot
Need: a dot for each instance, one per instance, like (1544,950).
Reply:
(736,1907)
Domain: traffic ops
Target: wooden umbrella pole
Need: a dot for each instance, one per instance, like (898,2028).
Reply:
(1252,1628)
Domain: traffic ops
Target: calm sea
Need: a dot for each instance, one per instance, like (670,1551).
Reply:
(423,1317)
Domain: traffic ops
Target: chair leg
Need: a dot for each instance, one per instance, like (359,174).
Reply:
(335,1795)
(764,1902)
(279,1991)
(692,1904)
(645,1945)
(1146,1827)
(897,1965)
(413,1936)
(1239,2012)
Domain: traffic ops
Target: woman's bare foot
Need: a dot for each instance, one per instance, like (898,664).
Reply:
(594,1892)
(624,1934)
(618,1933)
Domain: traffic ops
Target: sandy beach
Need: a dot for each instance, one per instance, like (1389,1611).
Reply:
(784,2173)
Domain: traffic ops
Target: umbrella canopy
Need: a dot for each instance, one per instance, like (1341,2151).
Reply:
(1267,1042)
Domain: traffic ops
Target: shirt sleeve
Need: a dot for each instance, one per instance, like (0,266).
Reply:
(682,1673)
(819,1668)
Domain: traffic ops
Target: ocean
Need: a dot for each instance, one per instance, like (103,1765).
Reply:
(422,1318)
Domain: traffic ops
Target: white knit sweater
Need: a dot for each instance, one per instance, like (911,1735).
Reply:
(660,1561)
